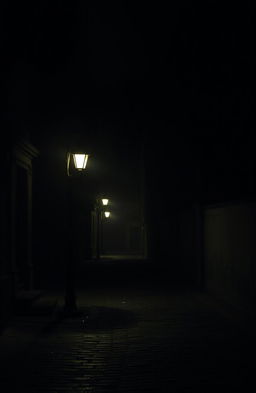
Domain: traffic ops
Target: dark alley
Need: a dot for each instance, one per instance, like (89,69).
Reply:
(127,197)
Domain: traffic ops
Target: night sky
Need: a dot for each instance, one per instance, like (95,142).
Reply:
(175,78)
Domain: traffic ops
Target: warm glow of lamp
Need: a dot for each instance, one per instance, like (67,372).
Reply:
(80,161)
(107,214)
(104,201)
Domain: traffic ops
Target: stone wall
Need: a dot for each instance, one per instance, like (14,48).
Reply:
(230,253)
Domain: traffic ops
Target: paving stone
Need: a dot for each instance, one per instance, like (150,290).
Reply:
(173,343)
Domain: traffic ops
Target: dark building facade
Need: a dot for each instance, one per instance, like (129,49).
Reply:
(17,270)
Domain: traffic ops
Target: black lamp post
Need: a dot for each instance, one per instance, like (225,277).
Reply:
(76,164)
(104,216)
(101,204)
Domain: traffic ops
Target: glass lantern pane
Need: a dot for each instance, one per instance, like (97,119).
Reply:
(80,161)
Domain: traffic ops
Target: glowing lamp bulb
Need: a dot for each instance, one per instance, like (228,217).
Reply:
(80,161)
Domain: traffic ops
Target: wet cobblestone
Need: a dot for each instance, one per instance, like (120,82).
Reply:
(174,343)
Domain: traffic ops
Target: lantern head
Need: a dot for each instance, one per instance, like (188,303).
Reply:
(80,161)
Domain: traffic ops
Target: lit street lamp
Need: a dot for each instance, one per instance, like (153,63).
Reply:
(76,164)
(106,215)
(79,161)
(101,203)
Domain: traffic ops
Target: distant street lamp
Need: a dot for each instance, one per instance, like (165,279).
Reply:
(100,205)
(76,164)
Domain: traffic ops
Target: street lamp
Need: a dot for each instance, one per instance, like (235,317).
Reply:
(79,161)
(104,215)
(76,163)
(104,201)
(100,205)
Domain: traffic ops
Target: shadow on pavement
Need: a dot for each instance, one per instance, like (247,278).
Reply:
(91,319)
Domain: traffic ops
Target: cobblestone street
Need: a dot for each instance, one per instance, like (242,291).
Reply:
(129,340)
